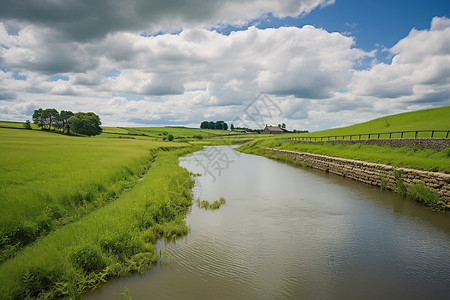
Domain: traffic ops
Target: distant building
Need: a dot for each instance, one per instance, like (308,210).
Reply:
(272,130)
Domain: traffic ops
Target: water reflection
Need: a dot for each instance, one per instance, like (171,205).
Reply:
(288,233)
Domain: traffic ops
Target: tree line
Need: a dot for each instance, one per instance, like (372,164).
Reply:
(67,122)
(221,125)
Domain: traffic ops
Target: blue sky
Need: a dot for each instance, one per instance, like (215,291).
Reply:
(374,24)
(325,63)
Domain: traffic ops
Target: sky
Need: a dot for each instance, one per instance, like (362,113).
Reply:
(311,64)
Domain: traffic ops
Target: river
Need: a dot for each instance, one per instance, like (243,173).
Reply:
(293,233)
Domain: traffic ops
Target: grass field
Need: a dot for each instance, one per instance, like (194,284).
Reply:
(49,180)
(8,124)
(78,210)
(179,133)
(111,241)
(428,119)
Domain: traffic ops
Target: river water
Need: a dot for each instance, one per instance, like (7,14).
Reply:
(291,233)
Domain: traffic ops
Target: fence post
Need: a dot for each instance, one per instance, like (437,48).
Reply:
(432,133)
(401,135)
(416,134)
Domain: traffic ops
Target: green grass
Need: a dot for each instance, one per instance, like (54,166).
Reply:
(180,134)
(49,180)
(10,124)
(428,119)
(110,241)
(407,157)
(206,205)
(115,130)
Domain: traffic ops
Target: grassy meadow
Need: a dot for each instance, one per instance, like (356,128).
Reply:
(49,180)
(110,241)
(78,210)
(19,125)
(182,134)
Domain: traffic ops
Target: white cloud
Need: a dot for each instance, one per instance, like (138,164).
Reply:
(419,72)
(200,74)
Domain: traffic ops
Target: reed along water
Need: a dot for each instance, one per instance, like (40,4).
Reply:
(293,233)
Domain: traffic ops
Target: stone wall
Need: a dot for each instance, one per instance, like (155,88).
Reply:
(437,144)
(371,173)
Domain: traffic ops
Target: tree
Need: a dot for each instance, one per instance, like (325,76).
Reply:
(86,123)
(50,116)
(221,125)
(38,117)
(64,119)
(170,137)
(218,125)
(204,125)
(283,126)
(27,124)
(45,118)
(232,126)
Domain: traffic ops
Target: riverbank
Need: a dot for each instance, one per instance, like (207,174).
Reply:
(403,157)
(432,188)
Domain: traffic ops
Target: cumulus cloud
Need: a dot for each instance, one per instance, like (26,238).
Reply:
(303,62)
(199,73)
(419,70)
(83,19)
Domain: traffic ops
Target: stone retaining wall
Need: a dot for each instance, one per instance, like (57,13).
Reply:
(371,173)
(437,144)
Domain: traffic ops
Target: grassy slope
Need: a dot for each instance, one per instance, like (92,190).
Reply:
(48,180)
(426,159)
(428,119)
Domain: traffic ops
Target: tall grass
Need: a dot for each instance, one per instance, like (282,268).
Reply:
(111,241)
(407,157)
(49,180)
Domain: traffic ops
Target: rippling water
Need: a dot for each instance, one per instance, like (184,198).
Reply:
(289,233)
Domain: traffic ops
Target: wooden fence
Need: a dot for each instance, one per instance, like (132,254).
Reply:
(384,135)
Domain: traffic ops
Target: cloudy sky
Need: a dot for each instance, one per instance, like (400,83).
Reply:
(322,63)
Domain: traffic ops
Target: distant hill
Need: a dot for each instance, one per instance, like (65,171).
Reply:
(427,119)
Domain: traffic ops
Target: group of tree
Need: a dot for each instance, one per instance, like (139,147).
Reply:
(245,129)
(67,121)
(299,131)
(221,125)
